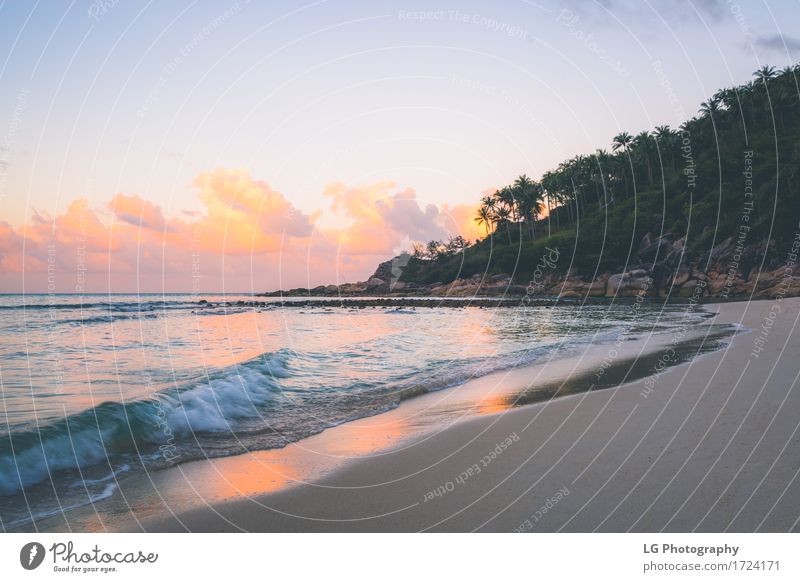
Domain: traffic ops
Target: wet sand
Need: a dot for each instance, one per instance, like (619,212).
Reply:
(706,445)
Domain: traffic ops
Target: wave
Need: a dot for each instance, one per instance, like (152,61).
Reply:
(111,429)
(248,406)
(107,318)
(119,307)
(244,405)
(107,492)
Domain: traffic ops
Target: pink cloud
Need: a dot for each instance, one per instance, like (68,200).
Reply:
(249,237)
(138,212)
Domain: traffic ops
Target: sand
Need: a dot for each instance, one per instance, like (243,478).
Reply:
(710,445)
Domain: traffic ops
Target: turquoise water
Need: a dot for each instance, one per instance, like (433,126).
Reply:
(97,387)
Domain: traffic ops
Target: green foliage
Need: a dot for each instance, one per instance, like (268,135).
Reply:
(694,182)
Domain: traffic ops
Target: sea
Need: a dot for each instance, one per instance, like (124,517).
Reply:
(95,389)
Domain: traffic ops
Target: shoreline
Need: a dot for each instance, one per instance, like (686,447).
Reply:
(141,485)
(681,458)
(480,302)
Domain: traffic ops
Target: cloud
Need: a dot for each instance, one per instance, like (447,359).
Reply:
(778,42)
(460,220)
(247,237)
(381,217)
(607,12)
(138,212)
(246,216)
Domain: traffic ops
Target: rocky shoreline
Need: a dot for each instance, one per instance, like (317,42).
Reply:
(661,268)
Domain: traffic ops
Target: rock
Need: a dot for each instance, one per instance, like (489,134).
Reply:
(614,283)
(680,277)
(687,289)
(596,288)
(352,288)
(764,280)
(722,249)
(788,287)
(632,284)
(618,284)
(375,282)
(675,253)
(653,248)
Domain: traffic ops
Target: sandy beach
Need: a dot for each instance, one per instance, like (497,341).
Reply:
(708,445)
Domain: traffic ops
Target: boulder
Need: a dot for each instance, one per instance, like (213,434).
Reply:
(680,277)
(687,289)
(596,288)
(651,248)
(675,253)
(722,249)
(501,278)
(630,284)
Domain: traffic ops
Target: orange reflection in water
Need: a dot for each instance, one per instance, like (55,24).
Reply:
(244,475)
(263,472)
(268,471)
(492,404)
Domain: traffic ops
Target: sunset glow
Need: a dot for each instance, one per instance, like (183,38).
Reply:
(132,243)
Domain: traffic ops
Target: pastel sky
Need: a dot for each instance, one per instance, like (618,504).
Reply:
(245,146)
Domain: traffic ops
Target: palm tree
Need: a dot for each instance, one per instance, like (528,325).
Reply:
(484,217)
(603,162)
(731,101)
(622,141)
(665,140)
(710,107)
(545,186)
(530,206)
(643,148)
(764,74)
(502,216)
(662,132)
(527,196)
(523,183)
(505,196)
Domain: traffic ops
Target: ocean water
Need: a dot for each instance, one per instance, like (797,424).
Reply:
(97,387)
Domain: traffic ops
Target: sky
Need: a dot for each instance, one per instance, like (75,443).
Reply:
(245,146)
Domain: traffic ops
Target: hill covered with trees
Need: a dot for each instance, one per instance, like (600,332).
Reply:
(710,208)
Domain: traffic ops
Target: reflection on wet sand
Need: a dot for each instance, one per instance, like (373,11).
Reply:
(206,482)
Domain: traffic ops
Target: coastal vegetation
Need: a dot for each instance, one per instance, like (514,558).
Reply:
(723,185)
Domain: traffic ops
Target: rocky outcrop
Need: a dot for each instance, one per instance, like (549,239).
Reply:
(662,267)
